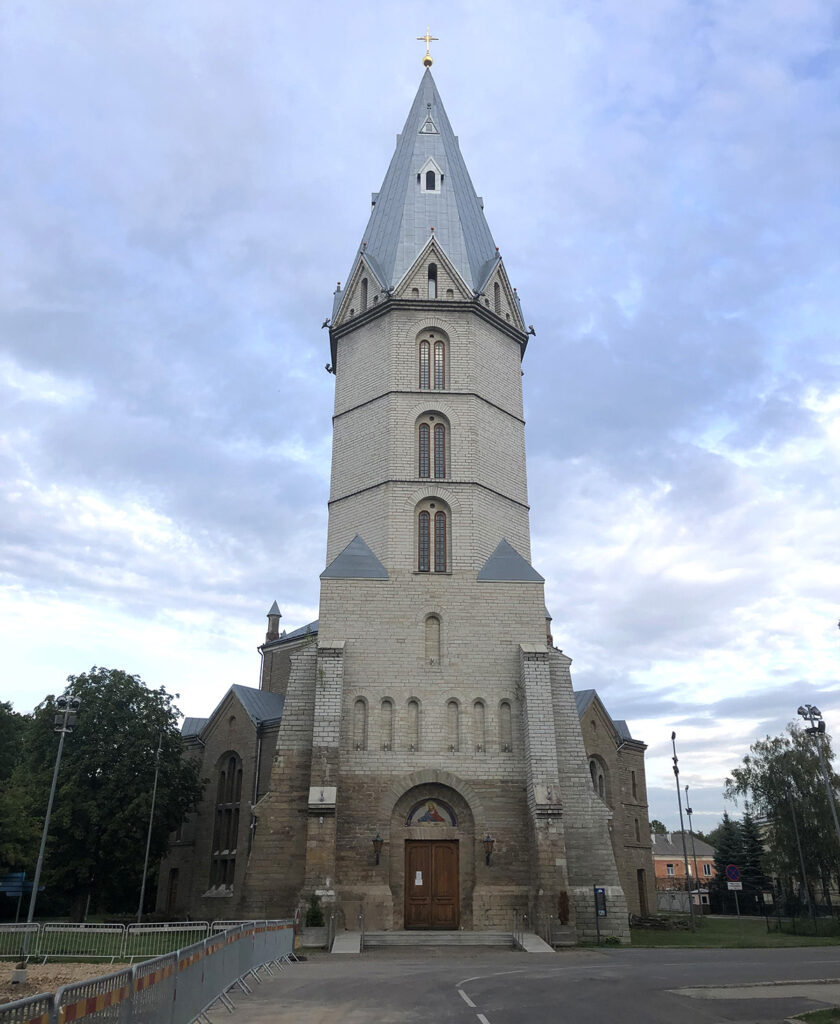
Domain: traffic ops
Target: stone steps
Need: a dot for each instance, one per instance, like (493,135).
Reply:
(379,940)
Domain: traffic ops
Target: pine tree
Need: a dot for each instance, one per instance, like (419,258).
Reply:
(752,872)
(729,850)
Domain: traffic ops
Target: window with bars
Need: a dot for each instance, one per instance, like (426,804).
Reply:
(423,450)
(440,542)
(423,530)
(440,365)
(440,451)
(432,541)
(431,447)
(425,349)
(226,822)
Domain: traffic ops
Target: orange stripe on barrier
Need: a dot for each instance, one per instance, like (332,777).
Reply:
(92,1004)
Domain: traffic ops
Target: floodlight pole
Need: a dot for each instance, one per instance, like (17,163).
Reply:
(682,831)
(65,720)
(149,833)
(693,847)
(817,730)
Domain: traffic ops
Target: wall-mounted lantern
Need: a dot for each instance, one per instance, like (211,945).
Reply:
(489,843)
(378,843)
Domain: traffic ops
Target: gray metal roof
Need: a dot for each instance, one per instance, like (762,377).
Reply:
(311,628)
(506,565)
(670,845)
(401,220)
(355,562)
(193,726)
(261,705)
(583,698)
(274,610)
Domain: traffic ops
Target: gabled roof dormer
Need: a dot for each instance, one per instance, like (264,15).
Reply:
(430,177)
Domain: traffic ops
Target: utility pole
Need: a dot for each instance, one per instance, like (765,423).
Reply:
(149,833)
(67,707)
(817,730)
(682,831)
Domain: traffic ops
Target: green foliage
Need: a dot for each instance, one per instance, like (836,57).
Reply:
(103,799)
(12,733)
(314,913)
(657,828)
(781,777)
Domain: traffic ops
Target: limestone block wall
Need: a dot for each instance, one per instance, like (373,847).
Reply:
(277,865)
(586,817)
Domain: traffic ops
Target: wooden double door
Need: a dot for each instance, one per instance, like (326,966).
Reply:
(431,883)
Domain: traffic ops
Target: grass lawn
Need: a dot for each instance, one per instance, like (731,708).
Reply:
(829,1016)
(725,933)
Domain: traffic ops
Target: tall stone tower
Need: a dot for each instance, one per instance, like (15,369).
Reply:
(430,710)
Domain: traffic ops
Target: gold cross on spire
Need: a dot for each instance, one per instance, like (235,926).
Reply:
(427,38)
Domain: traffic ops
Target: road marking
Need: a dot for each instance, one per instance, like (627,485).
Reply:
(466,998)
(481,977)
(482,1018)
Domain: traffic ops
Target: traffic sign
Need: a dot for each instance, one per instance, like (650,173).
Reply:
(736,886)
(733,873)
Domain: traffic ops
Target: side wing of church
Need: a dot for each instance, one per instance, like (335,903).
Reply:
(427,707)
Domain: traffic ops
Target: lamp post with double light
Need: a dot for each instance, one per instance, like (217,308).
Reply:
(64,722)
(816,729)
(682,832)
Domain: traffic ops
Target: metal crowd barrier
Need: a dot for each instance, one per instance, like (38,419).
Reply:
(12,937)
(81,941)
(177,988)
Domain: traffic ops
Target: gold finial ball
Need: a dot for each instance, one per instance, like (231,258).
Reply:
(427,61)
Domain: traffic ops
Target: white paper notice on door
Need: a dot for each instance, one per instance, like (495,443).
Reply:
(418,877)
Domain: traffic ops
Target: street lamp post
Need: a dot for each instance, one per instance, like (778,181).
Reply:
(64,722)
(817,730)
(693,848)
(682,830)
(149,833)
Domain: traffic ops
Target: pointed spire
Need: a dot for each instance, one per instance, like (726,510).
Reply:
(273,617)
(405,208)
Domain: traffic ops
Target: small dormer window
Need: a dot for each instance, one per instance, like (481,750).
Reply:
(430,177)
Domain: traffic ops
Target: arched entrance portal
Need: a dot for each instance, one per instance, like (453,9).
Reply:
(433,858)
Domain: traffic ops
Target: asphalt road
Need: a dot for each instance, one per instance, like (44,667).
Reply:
(572,987)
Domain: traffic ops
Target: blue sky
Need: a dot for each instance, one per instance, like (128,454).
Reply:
(183,184)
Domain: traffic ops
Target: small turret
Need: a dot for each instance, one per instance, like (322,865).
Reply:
(274,617)
(549,639)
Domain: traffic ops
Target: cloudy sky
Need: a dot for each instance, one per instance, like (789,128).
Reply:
(181,186)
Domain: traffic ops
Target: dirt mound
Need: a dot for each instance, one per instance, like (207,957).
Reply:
(46,978)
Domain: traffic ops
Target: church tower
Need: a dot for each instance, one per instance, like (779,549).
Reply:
(430,770)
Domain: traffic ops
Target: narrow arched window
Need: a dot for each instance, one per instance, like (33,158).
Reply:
(423,541)
(432,646)
(440,542)
(423,451)
(497,297)
(424,365)
(479,727)
(440,365)
(387,724)
(364,295)
(226,823)
(360,725)
(432,280)
(440,452)
(593,774)
(505,727)
(430,181)
(452,726)
(413,724)
(600,785)
(637,830)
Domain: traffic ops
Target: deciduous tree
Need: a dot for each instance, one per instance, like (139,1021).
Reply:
(102,803)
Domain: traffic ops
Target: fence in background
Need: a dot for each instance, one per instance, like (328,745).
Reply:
(176,988)
(109,942)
